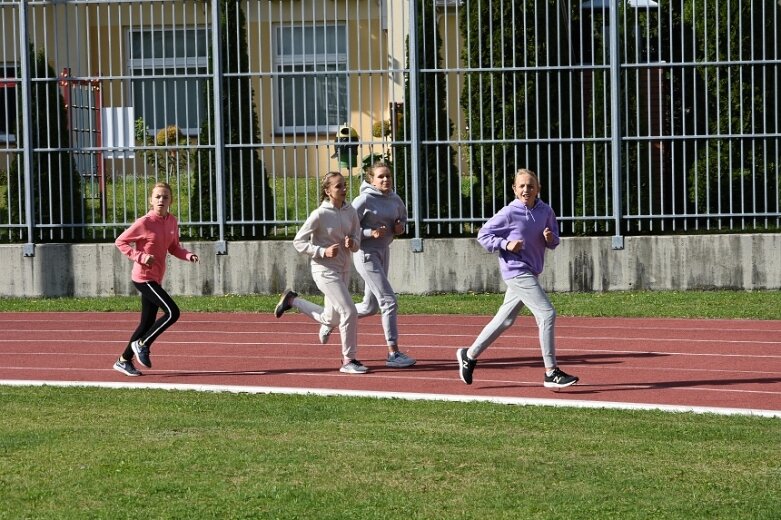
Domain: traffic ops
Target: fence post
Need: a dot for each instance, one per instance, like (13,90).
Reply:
(27,141)
(219,138)
(414,130)
(615,123)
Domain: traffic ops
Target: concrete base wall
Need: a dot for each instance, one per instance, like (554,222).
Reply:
(445,265)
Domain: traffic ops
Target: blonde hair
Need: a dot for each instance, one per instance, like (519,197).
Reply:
(524,171)
(325,182)
(370,171)
(160,185)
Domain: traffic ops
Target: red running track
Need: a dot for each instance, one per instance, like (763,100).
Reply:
(726,366)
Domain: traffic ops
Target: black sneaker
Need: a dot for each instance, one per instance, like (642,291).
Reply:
(465,366)
(127,368)
(285,302)
(142,353)
(559,379)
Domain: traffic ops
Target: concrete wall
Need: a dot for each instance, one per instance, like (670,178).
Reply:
(445,265)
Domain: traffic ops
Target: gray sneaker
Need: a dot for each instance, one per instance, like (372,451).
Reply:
(127,368)
(353,367)
(324,334)
(142,353)
(399,360)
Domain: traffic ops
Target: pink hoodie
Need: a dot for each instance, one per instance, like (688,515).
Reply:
(153,235)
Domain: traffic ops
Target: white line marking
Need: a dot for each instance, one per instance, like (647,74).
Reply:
(324,392)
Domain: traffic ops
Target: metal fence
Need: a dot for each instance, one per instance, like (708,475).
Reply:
(640,116)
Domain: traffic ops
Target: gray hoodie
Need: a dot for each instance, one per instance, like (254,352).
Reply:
(376,209)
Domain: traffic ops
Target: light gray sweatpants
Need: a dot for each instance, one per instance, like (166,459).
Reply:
(339,308)
(378,294)
(522,290)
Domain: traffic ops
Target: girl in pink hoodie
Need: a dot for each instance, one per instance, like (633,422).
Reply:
(154,235)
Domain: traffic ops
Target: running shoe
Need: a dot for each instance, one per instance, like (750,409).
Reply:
(142,353)
(324,334)
(559,379)
(353,367)
(127,368)
(285,302)
(465,366)
(399,360)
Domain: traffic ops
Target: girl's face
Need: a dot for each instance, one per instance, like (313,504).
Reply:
(336,190)
(160,200)
(526,189)
(383,180)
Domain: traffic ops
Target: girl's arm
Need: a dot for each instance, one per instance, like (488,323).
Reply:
(303,239)
(493,235)
(131,236)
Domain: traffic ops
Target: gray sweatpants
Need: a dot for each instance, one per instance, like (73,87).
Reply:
(339,308)
(522,290)
(378,294)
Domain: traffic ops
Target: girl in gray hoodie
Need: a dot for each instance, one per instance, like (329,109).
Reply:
(383,215)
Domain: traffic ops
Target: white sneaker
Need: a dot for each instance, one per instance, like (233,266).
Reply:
(353,367)
(324,334)
(399,360)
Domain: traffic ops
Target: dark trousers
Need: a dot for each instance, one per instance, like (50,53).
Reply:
(153,299)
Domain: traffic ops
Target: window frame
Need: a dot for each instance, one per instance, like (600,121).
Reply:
(339,60)
(194,67)
(8,85)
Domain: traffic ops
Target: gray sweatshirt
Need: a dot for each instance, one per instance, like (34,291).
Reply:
(325,226)
(376,209)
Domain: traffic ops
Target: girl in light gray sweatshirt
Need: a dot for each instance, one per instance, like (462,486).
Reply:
(329,236)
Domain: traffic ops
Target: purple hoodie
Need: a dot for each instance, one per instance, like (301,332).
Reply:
(517,222)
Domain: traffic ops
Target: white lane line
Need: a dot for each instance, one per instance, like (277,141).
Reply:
(569,403)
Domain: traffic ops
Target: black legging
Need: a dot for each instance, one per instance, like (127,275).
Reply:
(153,298)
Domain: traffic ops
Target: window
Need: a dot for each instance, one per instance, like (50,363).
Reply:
(8,102)
(162,63)
(311,86)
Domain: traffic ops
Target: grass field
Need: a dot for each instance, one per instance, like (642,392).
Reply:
(100,453)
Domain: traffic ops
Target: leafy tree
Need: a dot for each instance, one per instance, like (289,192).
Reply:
(735,173)
(56,185)
(248,193)
(509,112)
(440,186)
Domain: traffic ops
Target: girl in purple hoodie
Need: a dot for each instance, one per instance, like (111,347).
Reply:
(147,243)
(520,233)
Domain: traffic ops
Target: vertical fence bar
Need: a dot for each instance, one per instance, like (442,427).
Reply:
(27,146)
(615,124)
(219,139)
(414,134)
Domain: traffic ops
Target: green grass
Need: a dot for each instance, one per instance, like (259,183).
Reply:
(762,305)
(103,453)
(97,453)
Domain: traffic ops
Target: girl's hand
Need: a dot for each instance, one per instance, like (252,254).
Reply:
(515,246)
(398,227)
(349,242)
(331,251)
(379,232)
(149,260)
(548,234)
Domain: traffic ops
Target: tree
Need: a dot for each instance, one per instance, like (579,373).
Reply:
(511,112)
(248,193)
(56,185)
(729,172)
(440,186)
